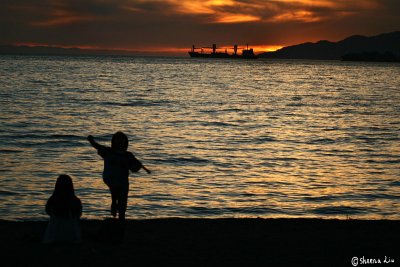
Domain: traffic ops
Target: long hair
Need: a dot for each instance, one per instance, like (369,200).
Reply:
(119,141)
(64,187)
(63,202)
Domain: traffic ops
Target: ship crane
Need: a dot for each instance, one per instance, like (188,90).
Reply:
(194,48)
(235,48)
(214,48)
(246,52)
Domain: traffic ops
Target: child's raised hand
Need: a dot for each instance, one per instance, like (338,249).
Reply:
(92,142)
(147,170)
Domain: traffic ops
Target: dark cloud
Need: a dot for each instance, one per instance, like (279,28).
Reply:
(139,24)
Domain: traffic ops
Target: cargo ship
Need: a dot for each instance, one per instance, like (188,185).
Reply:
(246,53)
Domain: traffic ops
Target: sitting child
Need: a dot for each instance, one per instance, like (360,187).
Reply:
(64,209)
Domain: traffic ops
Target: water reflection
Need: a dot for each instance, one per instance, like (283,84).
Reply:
(269,139)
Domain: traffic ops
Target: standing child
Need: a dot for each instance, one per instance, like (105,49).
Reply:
(64,209)
(117,163)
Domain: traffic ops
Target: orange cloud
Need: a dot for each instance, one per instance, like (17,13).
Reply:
(236,18)
(163,25)
(333,4)
(301,15)
(239,11)
(242,11)
(311,11)
(199,6)
(221,11)
(316,3)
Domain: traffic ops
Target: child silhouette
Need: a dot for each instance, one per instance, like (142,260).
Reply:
(64,209)
(117,163)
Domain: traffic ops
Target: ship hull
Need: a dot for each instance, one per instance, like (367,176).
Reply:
(221,55)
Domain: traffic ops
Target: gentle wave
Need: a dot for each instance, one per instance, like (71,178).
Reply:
(343,210)
(139,103)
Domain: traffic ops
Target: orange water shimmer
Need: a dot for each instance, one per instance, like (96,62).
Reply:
(223,138)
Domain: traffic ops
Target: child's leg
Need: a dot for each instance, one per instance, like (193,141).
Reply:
(114,201)
(122,202)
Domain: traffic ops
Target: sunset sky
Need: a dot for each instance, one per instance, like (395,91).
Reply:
(174,25)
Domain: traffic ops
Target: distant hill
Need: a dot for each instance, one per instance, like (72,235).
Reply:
(384,47)
(53,50)
(12,49)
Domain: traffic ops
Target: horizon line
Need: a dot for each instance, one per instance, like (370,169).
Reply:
(147,51)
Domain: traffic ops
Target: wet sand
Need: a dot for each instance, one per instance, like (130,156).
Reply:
(206,242)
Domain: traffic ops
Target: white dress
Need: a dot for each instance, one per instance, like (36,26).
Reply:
(60,229)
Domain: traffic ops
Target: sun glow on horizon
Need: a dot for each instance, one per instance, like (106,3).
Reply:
(180,50)
(152,50)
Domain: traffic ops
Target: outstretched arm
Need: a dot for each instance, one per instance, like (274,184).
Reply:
(147,170)
(93,143)
(135,165)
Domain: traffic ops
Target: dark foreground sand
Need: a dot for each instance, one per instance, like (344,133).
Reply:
(207,242)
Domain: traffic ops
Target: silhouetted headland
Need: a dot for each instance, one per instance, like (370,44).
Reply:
(374,48)
(206,242)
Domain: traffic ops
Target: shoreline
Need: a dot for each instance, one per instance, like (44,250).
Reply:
(206,242)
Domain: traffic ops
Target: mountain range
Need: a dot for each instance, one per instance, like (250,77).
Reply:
(54,50)
(383,47)
(357,47)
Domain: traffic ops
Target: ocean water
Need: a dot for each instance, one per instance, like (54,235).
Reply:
(223,138)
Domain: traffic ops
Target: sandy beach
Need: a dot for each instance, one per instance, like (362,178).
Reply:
(207,242)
